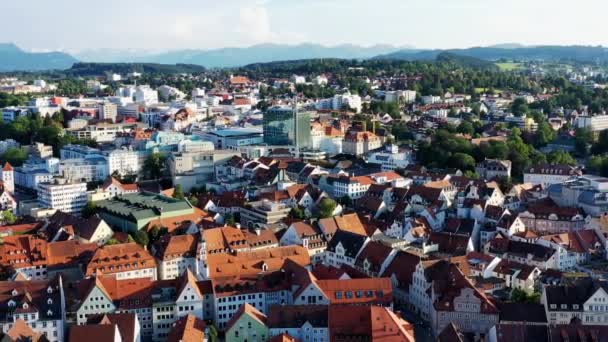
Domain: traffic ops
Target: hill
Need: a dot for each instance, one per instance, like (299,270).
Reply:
(466,61)
(98,69)
(12,58)
(549,52)
(234,57)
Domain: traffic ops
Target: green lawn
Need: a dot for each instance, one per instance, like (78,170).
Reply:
(510,66)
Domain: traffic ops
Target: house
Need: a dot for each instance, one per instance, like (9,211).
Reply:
(25,255)
(547,174)
(175,254)
(343,248)
(126,261)
(346,222)
(307,236)
(39,303)
(188,329)
(546,217)
(104,332)
(577,247)
(127,324)
(306,323)
(523,252)
(584,299)
(373,258)
(63,226)
(493,168)
(400,270)
(373,323)
(247,324)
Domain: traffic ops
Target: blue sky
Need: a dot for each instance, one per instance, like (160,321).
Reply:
(203,24)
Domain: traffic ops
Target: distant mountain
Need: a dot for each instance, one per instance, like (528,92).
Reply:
(98,69)
(12,58)
(548,52)
(233,57)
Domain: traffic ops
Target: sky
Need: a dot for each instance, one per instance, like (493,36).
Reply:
(71,25)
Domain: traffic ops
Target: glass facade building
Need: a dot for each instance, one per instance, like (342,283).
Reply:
(282,127)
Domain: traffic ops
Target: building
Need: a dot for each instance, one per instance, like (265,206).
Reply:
(263,212)
(25,255)
(133,211)
(39,303)
(284,126)
(247,324)
(175,254)
(367,323)
(307,323)
(585,299)
(595,123)
(232,137)
(358,143)
(588,192)
(123,161)
(493,168)
(108,111)
(90,169)
(547,174)
(125,261)
(61,194)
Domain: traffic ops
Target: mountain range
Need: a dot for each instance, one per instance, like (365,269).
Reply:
(12,58)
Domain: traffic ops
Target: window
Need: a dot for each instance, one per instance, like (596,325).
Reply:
(338,294)
(349,294)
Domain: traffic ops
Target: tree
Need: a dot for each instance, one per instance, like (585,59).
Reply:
(193,200)
(545,134)
(154,166)
(327,207)
(519,107)
(141,237)
(560,157)
(178,192)
(9,217)
(14,156)
(89,210)
(345,201)
(505,184)
(229,220)
(297,213)
(112,241)
(462,161)
(466,128)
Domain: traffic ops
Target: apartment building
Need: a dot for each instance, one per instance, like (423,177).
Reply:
(62,194)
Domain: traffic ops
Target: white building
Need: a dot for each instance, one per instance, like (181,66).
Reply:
(407,96)
(594,123)
(123,161)
(86,169)
(108,111)
(146,95)
(391,158)
(63,195)
(547,174)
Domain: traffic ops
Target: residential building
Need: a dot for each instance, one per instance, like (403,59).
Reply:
(493,168)
(62,194)
(547,174)
(358,143)
(38,303)
(247,324)
(125,261)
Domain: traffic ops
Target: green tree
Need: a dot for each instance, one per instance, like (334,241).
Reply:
(9,217)
(14,156)
(229,220)
(297,213)
(545,134)
(154,166)
(89,210)
(560,157)
(466,128)
(178,192)
(327,207)
(519,107)
(112,241)
(193,200)
(141,237)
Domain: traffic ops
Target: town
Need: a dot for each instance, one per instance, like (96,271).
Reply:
(315,200)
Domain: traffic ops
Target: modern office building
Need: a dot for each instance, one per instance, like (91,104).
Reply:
(284,127)
(61,194)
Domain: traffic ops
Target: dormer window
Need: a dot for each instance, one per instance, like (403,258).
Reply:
(49,313)
(15,292)
(11,303)
(25,306)
(49,301)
